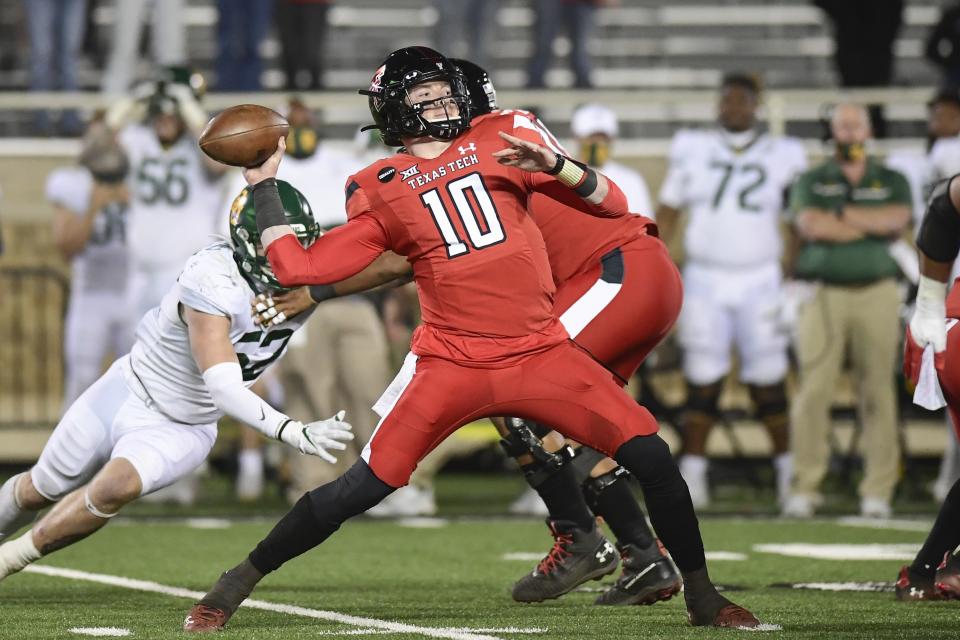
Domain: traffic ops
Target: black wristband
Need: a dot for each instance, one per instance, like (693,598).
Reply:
(267,205)
(283,426)
(589,184)
(557,168)
(321,292)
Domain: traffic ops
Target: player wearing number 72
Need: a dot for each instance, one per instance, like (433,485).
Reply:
(152,417)
(455,205)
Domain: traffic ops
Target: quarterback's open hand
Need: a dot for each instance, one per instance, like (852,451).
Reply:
(268,310)
(525,155)
(268,169)
(318,438)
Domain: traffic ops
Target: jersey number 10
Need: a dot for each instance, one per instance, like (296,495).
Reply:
(483,230)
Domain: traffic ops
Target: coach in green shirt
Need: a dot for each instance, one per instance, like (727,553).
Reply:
(847,211)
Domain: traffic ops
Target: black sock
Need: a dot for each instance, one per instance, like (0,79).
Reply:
(668,499)
(561,493)
(233,587)
(318,514)
(617,505)
(702,599)
(943,537)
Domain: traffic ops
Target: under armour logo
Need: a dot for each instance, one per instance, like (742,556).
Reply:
(466,149)
(409,173)
(605,551)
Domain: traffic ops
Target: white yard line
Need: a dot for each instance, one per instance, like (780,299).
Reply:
(922,526)
(102,632)
(318,614)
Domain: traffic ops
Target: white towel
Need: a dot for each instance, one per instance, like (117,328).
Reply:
(928,393)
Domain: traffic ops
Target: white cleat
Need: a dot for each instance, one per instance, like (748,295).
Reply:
(529,503)
(875,508)
(406,502)
(798,506)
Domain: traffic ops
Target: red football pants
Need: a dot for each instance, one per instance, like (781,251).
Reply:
(562,386)
(620,309)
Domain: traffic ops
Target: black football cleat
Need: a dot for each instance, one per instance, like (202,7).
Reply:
(912,588)
(576,557)
(648,577)
(947,579)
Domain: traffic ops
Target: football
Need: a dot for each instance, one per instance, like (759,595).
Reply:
(244,135)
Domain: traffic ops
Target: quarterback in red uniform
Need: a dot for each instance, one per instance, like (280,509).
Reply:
(618,293)
(455,205)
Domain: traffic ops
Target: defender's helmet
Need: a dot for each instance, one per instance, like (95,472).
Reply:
(247,250)
(401,71)
(483,95)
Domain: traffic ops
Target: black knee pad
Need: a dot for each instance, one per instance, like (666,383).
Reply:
(771,403)
(349,495)
(704,398)
(584,460)
(649,459)
(525,437)
(593,487)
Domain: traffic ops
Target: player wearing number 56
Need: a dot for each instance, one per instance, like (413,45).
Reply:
(175,190)
(152,418)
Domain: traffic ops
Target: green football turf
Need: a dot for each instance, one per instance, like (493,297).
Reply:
(452,576)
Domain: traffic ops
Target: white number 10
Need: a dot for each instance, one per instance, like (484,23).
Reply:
(479,238)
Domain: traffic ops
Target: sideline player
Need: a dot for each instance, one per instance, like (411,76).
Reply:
(175,190)
(152,417)
(454,203)
(732,181)
(89,229)
(935,572)
(617,316)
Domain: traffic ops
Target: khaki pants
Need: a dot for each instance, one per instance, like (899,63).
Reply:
(865,319)
(343,365)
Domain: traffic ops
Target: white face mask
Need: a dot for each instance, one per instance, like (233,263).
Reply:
(739,139)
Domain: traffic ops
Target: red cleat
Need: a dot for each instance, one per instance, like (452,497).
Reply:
(204,619)
(947,580)
(729,616)
(734,616)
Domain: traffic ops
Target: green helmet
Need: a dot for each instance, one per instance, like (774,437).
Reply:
(245,237)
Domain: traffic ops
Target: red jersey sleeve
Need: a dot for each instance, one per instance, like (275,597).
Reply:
(334,256)
(614,205)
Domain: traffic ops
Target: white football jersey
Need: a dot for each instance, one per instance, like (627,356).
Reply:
(174,203)
(102,265)
(321,179)
(161,363)
(734,198)
(944,159)
(632,184)
(919,171)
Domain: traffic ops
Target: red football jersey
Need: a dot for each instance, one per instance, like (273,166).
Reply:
(461,219)
(575,241)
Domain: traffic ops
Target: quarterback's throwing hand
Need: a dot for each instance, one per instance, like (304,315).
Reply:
(525,155)
(268,169)
(318,438)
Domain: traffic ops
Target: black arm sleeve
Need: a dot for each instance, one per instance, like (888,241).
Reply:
(267,205)
(939,237)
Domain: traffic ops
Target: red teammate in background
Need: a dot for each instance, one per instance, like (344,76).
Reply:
(455,204)
(935,572)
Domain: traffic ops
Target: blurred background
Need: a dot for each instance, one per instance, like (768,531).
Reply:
(81,78)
